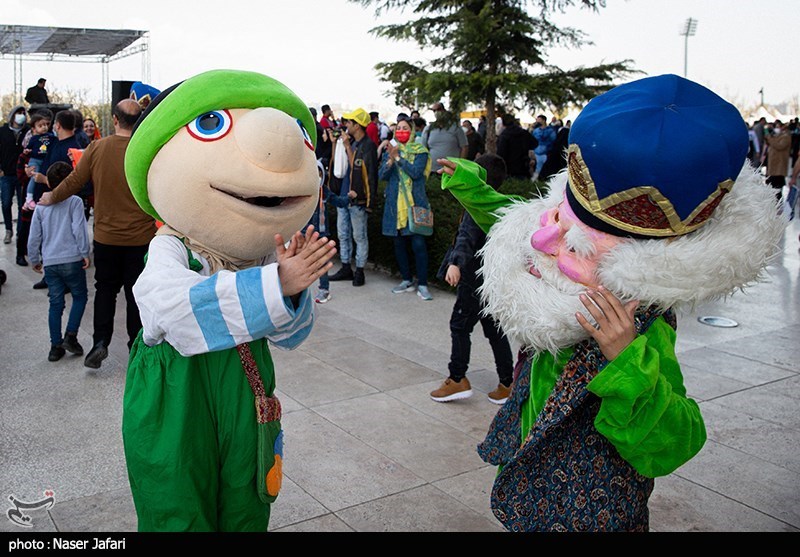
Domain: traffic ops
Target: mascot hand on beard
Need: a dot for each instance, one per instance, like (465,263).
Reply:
(226,160)
(657,208)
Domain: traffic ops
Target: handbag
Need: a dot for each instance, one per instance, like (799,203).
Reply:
(420,219)
(340,160)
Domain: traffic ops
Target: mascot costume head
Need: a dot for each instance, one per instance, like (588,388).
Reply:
(657,204)
(227,159)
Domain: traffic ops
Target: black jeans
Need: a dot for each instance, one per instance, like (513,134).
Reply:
(116,267)
(466,314)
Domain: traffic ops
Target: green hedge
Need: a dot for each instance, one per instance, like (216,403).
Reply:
(447,213)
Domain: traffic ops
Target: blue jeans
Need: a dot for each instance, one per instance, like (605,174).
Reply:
(37,165)
(351,224)
(420,257)
(58,278)
(9,186)
(540,160)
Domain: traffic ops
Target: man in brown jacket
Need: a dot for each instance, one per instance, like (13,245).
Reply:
(122,231)
(778,145)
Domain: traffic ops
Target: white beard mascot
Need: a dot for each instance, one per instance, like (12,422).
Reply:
(226,160)
(657,207)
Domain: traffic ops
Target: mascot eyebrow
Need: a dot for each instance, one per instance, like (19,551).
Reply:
(578,241)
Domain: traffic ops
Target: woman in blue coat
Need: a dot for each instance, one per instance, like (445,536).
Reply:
(405,165)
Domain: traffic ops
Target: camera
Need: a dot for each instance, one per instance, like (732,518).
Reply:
(336,132)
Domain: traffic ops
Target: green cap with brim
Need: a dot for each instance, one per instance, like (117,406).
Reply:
(182,103)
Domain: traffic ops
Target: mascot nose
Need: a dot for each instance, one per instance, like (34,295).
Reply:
(546,239)
(271,139)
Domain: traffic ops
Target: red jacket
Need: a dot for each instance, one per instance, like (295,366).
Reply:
(373,133)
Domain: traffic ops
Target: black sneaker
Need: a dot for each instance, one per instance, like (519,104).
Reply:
(345,273)
(41,285)
(56,353)
(21,261)
(71,344)
(358,278)
(96,355)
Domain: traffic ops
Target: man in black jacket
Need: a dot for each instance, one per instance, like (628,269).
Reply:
(362,184)
(11,136)
(37,94)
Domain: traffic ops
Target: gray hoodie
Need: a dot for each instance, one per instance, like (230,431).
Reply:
(10,120)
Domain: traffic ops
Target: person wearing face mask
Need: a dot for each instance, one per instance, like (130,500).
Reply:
(405,165)
(11,135)
(475,145)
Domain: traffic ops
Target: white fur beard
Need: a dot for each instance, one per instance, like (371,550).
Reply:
(727,254)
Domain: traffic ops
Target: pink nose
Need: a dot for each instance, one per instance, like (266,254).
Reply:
(546,239)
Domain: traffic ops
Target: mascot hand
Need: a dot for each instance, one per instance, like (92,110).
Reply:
(615,328)
(305,260)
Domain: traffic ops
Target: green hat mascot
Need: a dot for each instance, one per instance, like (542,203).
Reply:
(226,161)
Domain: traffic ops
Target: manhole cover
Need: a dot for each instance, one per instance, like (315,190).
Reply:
(717,321)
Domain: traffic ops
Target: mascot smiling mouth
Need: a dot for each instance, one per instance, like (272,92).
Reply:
(263,201)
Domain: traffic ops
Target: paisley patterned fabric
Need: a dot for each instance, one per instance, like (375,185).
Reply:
(565,476)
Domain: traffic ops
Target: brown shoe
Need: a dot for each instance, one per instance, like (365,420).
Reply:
(450,390)
(500,394)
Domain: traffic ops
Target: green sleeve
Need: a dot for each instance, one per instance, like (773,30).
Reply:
(644,410)
(468,185)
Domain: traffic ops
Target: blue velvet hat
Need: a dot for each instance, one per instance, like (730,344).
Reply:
(653,158)
(143,93)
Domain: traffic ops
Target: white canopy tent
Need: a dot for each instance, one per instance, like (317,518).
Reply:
(68,44)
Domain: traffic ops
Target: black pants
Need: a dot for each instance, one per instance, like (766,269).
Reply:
(777,183)
(466,314)
(23,232)
(116,267)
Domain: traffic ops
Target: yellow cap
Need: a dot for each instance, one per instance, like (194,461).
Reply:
(359,116)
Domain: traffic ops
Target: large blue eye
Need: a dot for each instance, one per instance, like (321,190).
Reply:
(306,137)
(211,125)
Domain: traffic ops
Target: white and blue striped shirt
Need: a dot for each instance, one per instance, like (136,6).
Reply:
(196,312)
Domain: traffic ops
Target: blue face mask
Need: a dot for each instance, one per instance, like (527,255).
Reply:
(20,119)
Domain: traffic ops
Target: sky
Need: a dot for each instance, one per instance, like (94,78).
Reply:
(322,49)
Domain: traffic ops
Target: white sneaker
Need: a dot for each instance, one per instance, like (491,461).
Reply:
(7,239)
(424,293)
(405,286)
(322,296)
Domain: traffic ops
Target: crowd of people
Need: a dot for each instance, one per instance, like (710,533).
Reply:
(775,146)
(59,167)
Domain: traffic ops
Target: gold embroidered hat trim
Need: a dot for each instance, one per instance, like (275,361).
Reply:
(640,210)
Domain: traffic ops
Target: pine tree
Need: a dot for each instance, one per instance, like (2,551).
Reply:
(493,53)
